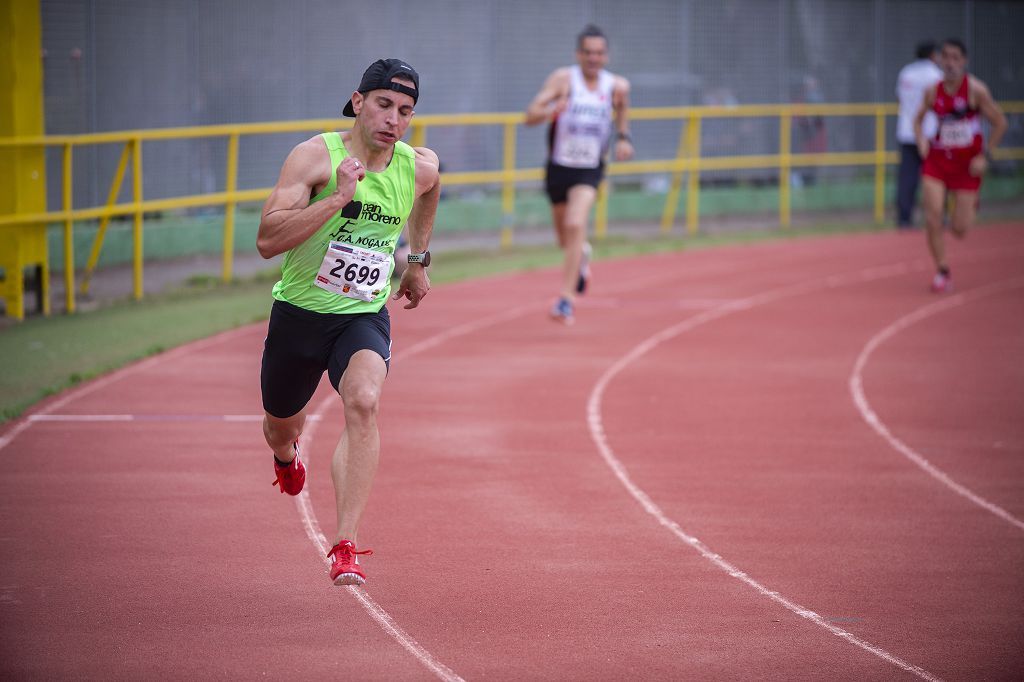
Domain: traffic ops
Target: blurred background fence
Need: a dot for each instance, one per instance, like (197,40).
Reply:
(798,88)
(128,64)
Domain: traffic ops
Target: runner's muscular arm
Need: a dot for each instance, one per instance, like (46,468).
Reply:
(620,103)
(994,115)
(415,284)
(288,217)
(551,99)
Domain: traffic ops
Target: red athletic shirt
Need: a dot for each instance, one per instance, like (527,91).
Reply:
(959,125)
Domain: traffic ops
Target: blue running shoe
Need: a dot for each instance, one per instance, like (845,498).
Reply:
(562,311)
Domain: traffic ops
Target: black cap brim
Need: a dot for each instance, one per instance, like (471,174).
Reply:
(378,77)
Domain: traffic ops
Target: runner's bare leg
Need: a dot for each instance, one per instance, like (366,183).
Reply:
(964,211)
(933,195)
(281,433)
(355,459)
(574,233)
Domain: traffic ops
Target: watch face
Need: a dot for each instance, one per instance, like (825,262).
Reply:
(423,258)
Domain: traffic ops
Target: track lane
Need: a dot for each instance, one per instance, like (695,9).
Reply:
(533,551)
(748,480)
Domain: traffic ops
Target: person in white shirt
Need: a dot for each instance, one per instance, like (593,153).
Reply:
(586,107)
(913,80)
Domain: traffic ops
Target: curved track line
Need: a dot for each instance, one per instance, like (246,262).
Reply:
(383,619)
(860,399)
(312,525)
(27,420)
(597,433)
(466,328)
(304,506)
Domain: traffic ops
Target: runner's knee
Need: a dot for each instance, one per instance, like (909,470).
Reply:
(573,230)
(361,401)
(281,431)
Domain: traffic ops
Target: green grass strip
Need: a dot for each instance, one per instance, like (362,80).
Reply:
(43,356)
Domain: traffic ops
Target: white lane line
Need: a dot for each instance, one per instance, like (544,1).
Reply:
(81,417)
(597,432)
(26,421)
(247,418)
(681,303)
(302,501)
(75,393)
(305,509)
(312,529)
(467,328)
(383,619)
(312,525)
(376,612)
(873,420)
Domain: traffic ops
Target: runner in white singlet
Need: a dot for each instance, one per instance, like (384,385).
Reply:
(586,106)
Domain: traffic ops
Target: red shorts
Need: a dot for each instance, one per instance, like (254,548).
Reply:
(951,167)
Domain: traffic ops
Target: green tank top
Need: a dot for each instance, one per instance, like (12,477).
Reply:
(372,220)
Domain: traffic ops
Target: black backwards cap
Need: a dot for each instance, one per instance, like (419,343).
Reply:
(378,77)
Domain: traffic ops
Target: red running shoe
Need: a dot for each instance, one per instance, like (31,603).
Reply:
(292,477)
(345,568)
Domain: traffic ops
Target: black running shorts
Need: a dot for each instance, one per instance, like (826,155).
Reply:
(559,179)
(301,344)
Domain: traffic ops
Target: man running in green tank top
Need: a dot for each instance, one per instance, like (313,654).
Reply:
(336,213)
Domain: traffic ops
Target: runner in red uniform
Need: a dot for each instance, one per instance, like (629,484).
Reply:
(956,158)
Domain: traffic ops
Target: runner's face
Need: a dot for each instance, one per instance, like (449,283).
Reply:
(384,115)
(592,55)
(953,62)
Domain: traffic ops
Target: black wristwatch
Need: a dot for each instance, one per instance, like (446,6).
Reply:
(421,258)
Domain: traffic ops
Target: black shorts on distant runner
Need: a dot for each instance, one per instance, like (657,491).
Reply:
(301,344)
(558,179)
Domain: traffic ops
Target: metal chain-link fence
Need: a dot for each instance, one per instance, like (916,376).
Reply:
(129,64)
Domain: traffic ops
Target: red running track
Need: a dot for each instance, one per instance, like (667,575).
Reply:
(782,461)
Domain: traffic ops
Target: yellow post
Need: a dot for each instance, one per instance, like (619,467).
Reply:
(22,168)
(508,186)
(97,244)
(69,236)
(785,166)
(668,214)
(693,177)
(879,165)
(230,184)
(601,213)
(419,135)
(137,225)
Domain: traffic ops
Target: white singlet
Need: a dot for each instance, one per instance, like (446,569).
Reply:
(582,130)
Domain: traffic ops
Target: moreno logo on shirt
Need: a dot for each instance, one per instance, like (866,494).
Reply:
(357,210)
(373,212)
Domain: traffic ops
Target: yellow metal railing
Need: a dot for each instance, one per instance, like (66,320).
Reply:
(687,160)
